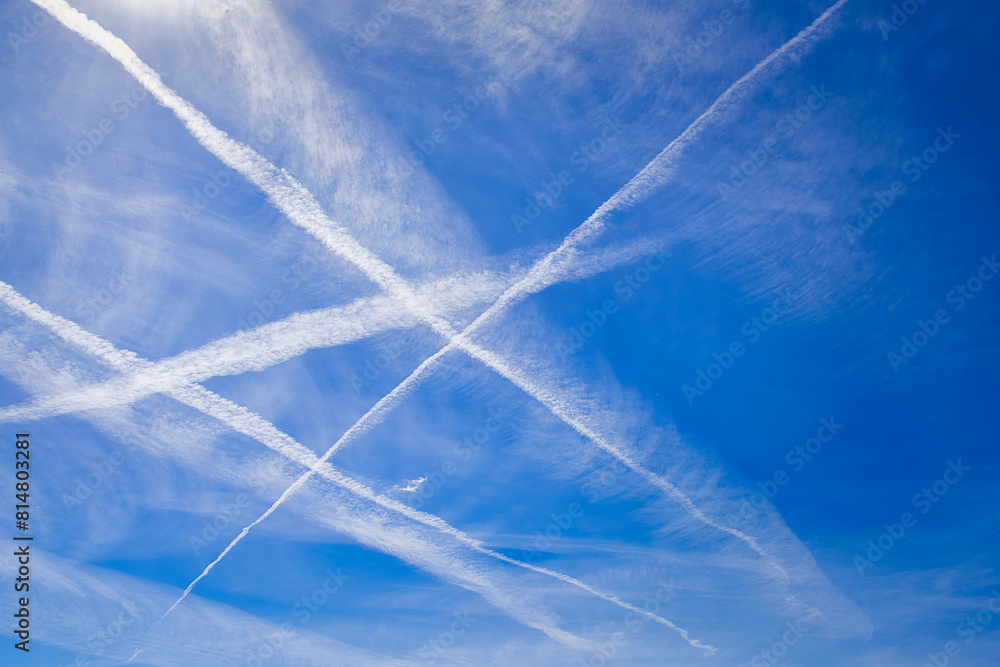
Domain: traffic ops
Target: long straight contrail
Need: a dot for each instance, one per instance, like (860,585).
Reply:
(289,196)
(256,427)
(275,342)
(639,187)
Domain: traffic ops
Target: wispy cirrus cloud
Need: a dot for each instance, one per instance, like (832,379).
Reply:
(283,189)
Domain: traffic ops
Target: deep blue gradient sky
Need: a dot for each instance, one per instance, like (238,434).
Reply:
(759,401)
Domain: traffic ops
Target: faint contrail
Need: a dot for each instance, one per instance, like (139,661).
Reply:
(256,427)
(253,425)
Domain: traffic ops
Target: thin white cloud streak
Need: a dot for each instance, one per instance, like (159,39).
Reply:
(256,427)
(653,176)
(289,196)
(326,134)
(282,189)
(371,529)
(638,188)
(516,609)
(260,348)
(377,413)
(71,332)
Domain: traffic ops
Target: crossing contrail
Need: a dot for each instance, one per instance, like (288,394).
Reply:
(256,427)
(270,344)
(289,196)
(637,188)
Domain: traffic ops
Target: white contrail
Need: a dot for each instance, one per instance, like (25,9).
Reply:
(71,332)
(284,191)
(262,347)
(256,427)
(270,344)
(289,196)
(643,184)
(539,276)
(663,166)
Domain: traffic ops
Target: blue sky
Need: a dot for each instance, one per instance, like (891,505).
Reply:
(569,333)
